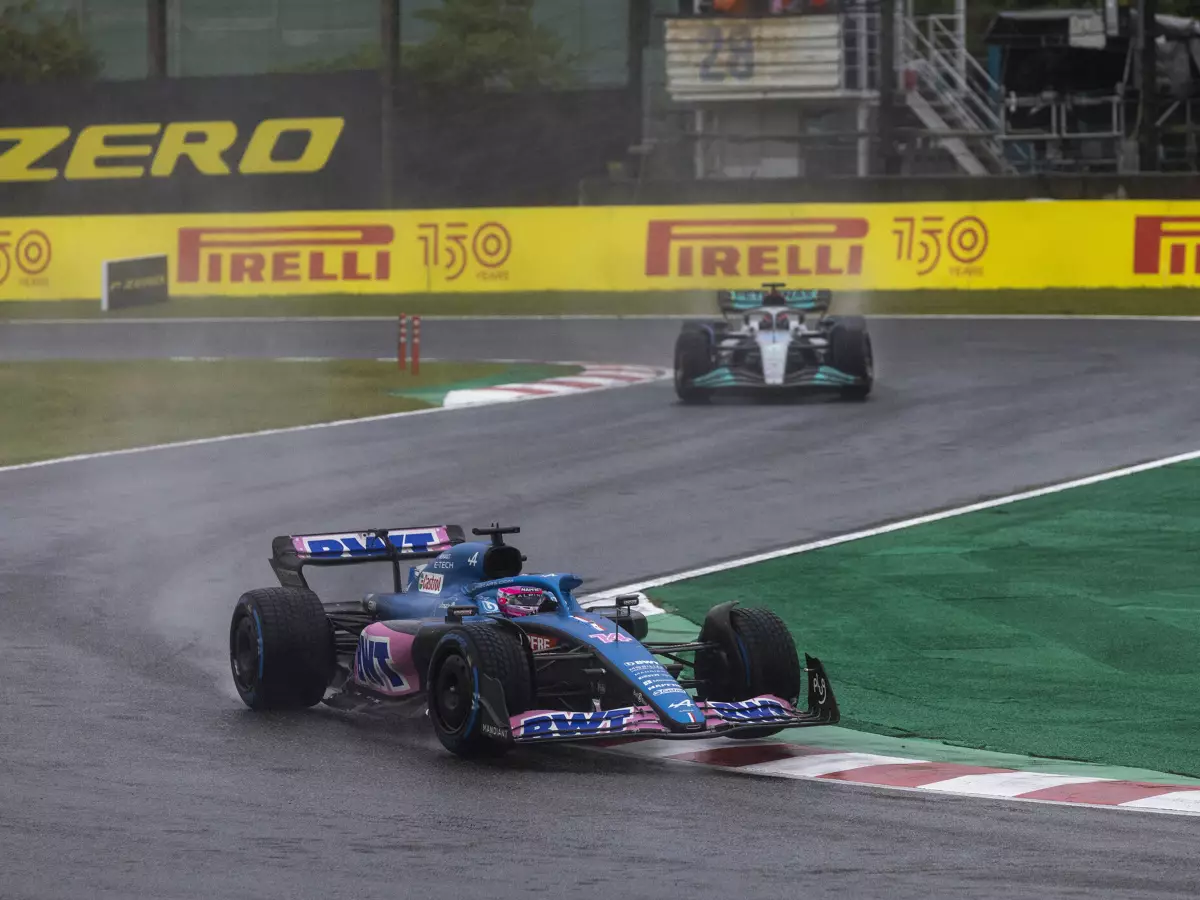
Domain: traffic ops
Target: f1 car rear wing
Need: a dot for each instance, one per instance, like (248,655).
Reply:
(291,553)
(806,301)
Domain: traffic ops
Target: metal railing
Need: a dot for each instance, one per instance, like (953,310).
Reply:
(831,154)
(1065,132)
(934,63)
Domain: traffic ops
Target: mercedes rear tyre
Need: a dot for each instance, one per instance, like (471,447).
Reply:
(850,352)
(281,649)
(463,657)
(693,358)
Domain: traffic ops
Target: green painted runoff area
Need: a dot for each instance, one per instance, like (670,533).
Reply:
(1065,626)
(668,627)
(1136,302)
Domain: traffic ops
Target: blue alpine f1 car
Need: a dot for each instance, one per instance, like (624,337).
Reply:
(503,658)
(776,340)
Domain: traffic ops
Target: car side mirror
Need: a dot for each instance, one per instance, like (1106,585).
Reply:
(627,600)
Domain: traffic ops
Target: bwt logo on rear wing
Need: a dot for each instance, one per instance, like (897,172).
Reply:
(291,553)
(365,544)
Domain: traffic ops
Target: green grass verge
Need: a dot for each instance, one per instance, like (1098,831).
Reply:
(1065,626)
(60,408)
(1174,301)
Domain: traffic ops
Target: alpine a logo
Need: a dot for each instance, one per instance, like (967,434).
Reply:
(755,247)
(311,253)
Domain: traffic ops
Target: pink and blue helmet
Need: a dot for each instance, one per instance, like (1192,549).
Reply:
(524,601)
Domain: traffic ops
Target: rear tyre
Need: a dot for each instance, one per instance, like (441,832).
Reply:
(850,352)
(461,658)
(766,662)
(693,358)
(281,649)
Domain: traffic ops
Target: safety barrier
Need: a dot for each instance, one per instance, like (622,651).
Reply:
(1002,245)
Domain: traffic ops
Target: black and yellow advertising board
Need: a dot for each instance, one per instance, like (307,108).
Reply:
(191,144)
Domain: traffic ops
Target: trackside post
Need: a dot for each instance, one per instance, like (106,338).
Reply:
(416,345)
(401,340)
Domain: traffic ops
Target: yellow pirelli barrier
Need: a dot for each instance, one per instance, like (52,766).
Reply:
(1017,245)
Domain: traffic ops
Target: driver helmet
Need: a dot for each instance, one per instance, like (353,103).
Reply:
(524,601)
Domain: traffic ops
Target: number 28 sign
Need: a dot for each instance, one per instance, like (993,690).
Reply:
(728,53)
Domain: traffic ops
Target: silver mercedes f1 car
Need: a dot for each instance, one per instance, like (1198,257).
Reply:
(774,339)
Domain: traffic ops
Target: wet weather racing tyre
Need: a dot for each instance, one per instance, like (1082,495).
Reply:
(850,352)
(461,660)
(281,649)
(693,358)
(766,663)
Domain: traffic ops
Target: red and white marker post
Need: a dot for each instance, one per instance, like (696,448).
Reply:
(401,342)
(416,345)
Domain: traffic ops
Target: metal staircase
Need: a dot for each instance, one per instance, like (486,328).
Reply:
(952,94)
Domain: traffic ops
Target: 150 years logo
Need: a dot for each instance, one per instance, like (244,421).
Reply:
(929,241)
(30,252)
(451,247)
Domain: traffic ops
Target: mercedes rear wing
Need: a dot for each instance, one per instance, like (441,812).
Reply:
(805,301)
(291,553)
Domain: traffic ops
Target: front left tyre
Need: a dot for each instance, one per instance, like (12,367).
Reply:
(281,649)
(463,657)
(850,351)
(693,358)
(762,660)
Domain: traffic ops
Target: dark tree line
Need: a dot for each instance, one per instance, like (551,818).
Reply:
(36,47)
(475,45)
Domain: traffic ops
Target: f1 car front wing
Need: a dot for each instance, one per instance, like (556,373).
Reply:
(642,721)
(816,376)
(720,718)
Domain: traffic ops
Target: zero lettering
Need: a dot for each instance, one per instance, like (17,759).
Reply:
(28,146)
(134,150)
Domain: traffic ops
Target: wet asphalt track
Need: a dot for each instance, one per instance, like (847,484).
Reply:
(130,770)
